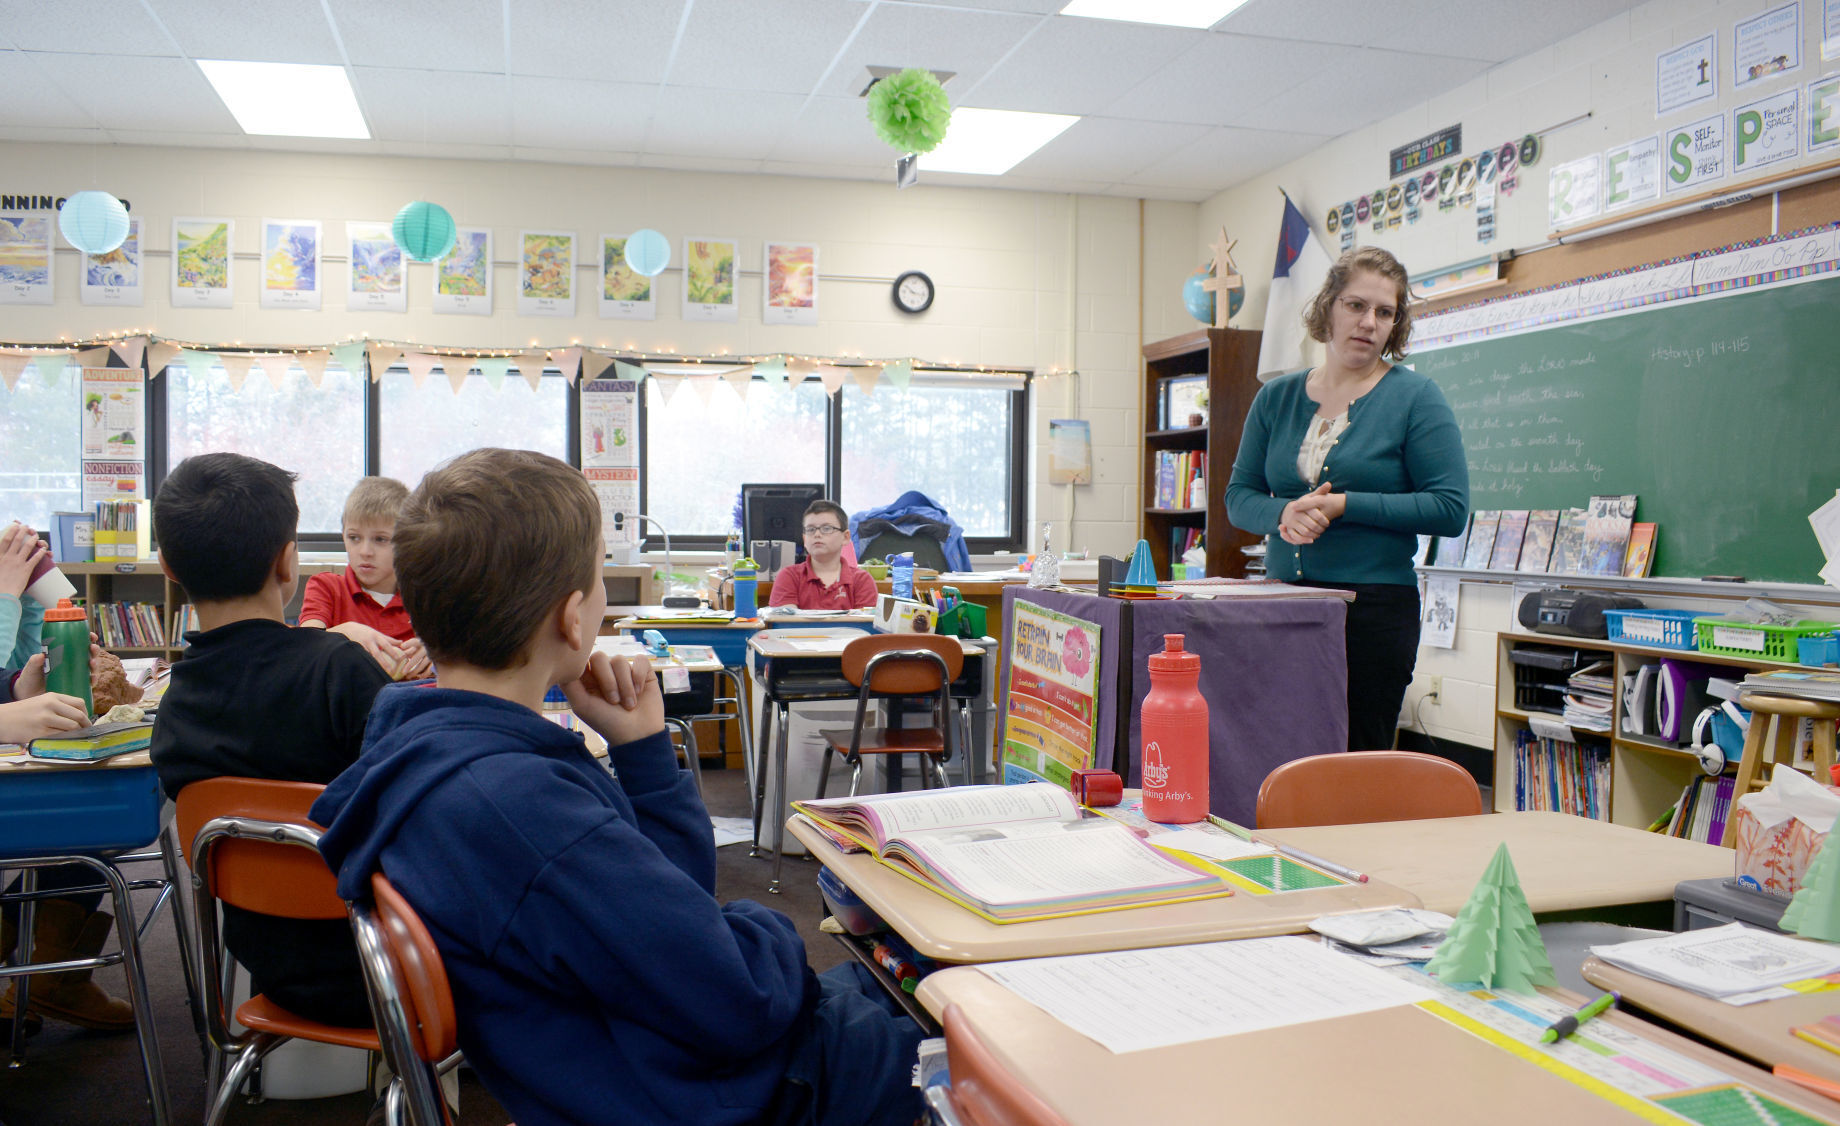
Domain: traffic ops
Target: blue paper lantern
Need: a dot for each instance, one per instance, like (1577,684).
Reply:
(94,222)
(424,230)
(648,252)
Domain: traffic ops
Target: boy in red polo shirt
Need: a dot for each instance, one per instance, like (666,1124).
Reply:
(362,602)
(826,580)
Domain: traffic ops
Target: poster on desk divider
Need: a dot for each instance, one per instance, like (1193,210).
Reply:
(610,457)
(1051,714)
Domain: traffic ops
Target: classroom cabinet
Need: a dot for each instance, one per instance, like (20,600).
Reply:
(1226,362)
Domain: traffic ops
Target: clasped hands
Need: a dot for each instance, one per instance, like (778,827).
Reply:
(1308,517)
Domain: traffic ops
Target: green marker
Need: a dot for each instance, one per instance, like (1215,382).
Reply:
(1566,1025)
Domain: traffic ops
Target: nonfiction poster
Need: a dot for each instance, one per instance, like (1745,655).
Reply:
(290,264)
(114,432)
(709,280)
(463,279)
(25,258)
(374,271)
(1051,715)
(791,290)
(626,294)
(202,266)
(546,274)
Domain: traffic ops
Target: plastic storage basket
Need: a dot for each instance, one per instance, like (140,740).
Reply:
(85,809)
(1756,640)
(1664,629)
(1821,649)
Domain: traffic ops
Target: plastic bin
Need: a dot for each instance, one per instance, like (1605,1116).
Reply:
(93,808)
(1540,675)
(1664,629)
(846,907)
(967,619)
(1756,640)
(1820,650)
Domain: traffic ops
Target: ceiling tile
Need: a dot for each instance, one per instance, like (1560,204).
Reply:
(1226,156)
(1078,66)
(464,35)
(106,27)
(719,123)
(1457,28)
(567,113)
(1362,88)
(966,43)
(1222,79)
(29,97)
(833,129)
(701,164)
(577,156)
(123,92)
(434,106)
(1108,148)
(264,31)
(783,47)
(1036,7)
(54,134)
(630,42)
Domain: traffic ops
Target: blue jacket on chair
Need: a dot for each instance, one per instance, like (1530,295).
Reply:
(911,511)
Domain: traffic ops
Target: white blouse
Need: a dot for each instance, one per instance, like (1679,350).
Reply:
(1316,444)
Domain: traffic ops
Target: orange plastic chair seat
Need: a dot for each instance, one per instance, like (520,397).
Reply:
(263,1015)
(889,741)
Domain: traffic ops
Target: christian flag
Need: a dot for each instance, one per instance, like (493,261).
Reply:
(1294,280)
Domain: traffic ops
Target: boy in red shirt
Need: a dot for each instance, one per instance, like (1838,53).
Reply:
(362,602)
(826,580)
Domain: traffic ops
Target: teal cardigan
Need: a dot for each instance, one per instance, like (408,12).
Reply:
(1400,462)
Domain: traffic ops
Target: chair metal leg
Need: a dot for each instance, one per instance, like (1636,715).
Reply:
(28,918)
(759,779)
(194,996)
(855,776)
(246,1059)
(779,810)
(693,758)
(824,771)
(139,997)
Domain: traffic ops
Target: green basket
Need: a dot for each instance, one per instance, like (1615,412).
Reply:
(1755,640)
(967,619)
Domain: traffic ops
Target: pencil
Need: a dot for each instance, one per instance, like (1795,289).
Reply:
(1326,865)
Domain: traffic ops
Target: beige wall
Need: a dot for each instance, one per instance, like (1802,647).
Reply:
(1025,279)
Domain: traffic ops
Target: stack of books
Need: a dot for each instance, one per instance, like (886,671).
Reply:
(1701,812)
(1551,774)
(1587,697)
(1792,682)
(134,625)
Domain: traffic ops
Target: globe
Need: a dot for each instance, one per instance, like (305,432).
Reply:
(1200,300)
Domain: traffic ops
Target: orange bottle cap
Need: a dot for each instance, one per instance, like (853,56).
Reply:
(65,612)
(1174,657)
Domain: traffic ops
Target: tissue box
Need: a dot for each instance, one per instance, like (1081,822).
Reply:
(1779,830)
(901,615)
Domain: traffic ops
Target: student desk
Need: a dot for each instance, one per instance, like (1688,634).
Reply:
(1759,1032)
(1565,863)
(789,672)
(728,640)
(1396,1065)
(942,930)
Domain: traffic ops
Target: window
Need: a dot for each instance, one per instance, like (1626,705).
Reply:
(42,470)
(698,454)
(421,427)
(317,432)
(951,441)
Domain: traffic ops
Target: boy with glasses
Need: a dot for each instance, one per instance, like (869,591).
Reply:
(826,580)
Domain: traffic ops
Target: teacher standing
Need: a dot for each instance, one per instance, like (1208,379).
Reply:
(1343,466)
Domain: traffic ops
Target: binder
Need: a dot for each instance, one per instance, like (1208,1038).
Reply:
(73,537)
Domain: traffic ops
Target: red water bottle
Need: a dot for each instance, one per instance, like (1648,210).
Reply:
(1175,737)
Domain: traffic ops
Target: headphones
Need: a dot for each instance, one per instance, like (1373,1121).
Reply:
(1711,755)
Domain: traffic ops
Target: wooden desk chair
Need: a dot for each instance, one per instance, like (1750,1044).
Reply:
(982,1092)
(411,1002)
(251,845)
(1358,787)
(894,665)
(1776,724)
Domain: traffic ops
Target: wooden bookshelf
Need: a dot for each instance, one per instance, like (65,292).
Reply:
(1229,358)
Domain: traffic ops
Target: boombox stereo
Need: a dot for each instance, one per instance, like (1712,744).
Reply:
(1575,613)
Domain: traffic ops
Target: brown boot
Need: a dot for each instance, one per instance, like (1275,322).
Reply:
(64,931)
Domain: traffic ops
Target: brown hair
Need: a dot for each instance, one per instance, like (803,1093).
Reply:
(829,508)
(375,498)
(488,544)
(1375,261)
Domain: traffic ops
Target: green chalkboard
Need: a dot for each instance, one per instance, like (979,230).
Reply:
(1722,414)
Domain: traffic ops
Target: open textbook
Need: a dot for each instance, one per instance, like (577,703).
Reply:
(1012,853)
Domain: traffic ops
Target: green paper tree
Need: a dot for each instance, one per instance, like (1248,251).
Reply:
(1494,939)
(1815,910)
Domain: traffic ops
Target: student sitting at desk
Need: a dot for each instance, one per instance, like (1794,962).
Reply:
(595,976)
(252,698)
(826,580)
(362,602)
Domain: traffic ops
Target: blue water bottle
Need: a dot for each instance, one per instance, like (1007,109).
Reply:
(901,575)
(747,585)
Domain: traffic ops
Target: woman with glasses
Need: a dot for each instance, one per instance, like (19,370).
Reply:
(826,580)
(1343,466)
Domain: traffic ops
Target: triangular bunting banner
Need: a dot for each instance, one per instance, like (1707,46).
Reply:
(898,373)
(383,357)
(493,368)
(667,385)
(350,357)
(276,368)
(832,377)
(94,357)
(797,370)
(198,363)
(772,369)
(313,365)
(866,376)
(12,366)
(457,368)
(159,354)
(130,350)
(569,360)
(704,386)
(236,365)
(739,379)
(419,365)
(50,366)
(531,365)
(595,364)
(634,372)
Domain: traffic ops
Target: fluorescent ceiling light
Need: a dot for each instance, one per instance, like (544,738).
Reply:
(989,142)
(287,99)
(1176,13)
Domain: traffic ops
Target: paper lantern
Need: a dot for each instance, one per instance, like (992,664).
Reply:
(424,230)
(648,252)
(94,222)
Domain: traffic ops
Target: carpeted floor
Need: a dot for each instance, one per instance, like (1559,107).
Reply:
(77,1078)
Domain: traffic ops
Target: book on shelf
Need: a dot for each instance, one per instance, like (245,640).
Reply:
(90,744)
(1450,549)
(1641,556)
(1481,539)
(1568,544)
(132,625)
(1176,474)
(1509,531)
(1703,808)
(1606,534)
(1537,544)
(1561,777)
(1010,853)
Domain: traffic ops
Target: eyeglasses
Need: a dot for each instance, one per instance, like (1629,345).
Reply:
(1358,308)
(822,529)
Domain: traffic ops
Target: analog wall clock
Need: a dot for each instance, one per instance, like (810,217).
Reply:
(913,292)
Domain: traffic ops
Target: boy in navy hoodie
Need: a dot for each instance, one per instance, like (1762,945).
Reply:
(595,977)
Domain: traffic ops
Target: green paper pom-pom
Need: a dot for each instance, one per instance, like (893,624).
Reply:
(909,110)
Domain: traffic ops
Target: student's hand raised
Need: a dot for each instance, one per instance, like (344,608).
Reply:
(20,551)
(47,713)
(619,698)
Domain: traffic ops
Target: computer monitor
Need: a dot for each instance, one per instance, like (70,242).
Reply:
(777,512)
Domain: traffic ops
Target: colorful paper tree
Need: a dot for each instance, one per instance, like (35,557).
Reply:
(1494,939)
(1815,910)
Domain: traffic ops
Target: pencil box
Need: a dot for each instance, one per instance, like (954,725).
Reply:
(847,907)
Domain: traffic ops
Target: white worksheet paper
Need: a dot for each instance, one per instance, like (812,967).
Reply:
(1133,1000)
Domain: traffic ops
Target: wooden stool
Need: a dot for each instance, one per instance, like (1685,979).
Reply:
(1775,722)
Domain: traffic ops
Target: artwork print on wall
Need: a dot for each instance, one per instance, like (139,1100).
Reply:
(546,274)
(790,291)
(709,279)
(625,293)
(463,279)
(290,264)
(374,271)
(202,265)
(25,258)
(114,278)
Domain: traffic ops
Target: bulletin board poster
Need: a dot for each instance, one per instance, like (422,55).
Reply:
(618,491)
(609,417)
(114,418)
(112,480)
(1051,715)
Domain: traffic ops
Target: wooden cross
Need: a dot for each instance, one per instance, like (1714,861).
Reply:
(1226,275)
